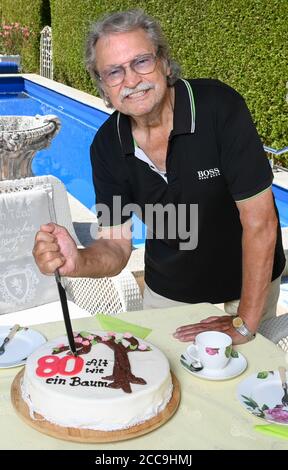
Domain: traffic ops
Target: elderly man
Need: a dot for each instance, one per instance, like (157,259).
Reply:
(174,143)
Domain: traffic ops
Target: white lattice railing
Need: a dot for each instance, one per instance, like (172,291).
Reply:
(46,57)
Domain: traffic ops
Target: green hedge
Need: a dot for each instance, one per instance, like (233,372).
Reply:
(70,24)
(31,13)
(242,42)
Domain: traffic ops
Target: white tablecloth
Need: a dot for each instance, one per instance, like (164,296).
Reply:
(209,415)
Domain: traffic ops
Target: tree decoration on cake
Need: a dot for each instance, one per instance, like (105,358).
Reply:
(122,375)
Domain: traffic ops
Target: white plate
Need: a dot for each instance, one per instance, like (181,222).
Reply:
(20,347)
(261,394)
(235,367)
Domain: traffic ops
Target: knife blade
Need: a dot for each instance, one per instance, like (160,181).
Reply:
(66,315)
(282,374)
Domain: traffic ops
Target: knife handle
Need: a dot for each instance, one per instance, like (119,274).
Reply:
(282,373)
(13,332)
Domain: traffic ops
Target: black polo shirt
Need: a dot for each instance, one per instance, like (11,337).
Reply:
(214,158)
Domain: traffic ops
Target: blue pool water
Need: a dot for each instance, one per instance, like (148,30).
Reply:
(68,156)
(281,198)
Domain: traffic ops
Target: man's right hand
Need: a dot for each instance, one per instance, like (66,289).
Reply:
(54,248)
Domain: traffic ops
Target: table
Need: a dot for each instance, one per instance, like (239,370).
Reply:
(209,415)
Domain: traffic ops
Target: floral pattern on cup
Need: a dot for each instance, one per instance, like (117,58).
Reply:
(212,351)
(228,351)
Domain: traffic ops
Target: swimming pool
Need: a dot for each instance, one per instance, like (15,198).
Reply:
(281,199)
(68,156)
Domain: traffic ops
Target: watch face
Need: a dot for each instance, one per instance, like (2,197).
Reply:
(237,322)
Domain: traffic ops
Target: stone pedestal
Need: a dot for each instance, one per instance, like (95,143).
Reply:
(20,138)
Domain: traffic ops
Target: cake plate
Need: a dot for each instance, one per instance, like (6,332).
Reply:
(90,435)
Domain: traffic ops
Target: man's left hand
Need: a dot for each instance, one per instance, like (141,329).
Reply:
(222,323)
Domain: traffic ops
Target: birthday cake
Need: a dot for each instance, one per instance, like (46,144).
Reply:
(116,381)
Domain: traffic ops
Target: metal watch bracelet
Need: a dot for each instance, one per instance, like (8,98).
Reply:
(244,331)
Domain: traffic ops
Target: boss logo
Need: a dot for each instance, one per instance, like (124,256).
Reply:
(205,174)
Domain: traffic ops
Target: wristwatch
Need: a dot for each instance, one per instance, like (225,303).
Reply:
(242,328)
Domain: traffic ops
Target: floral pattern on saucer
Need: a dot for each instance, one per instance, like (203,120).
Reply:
(261,395)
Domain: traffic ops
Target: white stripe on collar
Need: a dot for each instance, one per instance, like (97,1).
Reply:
(192,104)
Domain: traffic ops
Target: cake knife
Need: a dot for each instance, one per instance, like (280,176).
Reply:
(66,315)
(61,290)
(8,338)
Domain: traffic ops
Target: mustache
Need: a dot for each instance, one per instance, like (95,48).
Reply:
(141,87)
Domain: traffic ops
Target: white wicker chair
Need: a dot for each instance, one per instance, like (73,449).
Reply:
(109,295)
(276,330)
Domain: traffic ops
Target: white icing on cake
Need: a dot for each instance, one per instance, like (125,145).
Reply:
(85,400)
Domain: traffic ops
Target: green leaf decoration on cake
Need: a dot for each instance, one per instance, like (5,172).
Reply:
(56,350)
(133,347)
(118,341)
(234,353)
(262,375)
(85,334)
(94,341)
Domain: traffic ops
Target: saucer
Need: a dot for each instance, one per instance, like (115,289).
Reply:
(235,367)
(261,394)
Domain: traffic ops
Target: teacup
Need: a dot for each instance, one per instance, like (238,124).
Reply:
(212,349)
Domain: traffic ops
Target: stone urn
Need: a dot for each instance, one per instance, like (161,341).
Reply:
(20,138)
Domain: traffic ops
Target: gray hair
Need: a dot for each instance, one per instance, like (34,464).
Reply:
(122,22)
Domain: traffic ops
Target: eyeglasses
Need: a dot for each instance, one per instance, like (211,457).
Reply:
(142,64)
